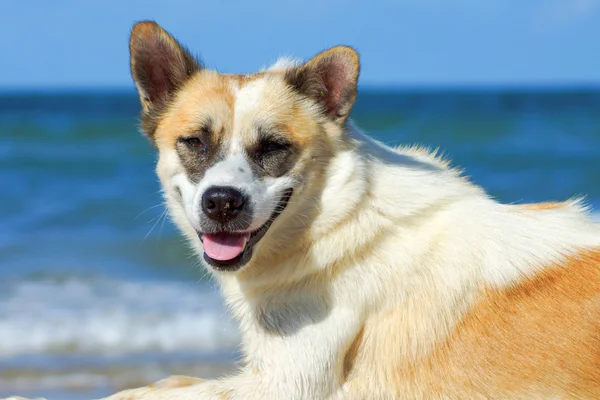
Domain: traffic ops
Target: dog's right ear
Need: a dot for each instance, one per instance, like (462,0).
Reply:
(159,65)
(330,79)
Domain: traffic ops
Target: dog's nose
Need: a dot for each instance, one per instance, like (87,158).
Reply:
(222,204)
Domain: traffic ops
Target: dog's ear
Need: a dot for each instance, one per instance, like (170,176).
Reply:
(330,79)
(159,64)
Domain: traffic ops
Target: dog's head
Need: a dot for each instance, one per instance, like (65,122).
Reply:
(235,151)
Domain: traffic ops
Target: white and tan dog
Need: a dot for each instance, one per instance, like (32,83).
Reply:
(358,271)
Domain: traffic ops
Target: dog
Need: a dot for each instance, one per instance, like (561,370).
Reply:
(356,270)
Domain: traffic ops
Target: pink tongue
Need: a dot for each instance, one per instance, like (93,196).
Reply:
(224,247)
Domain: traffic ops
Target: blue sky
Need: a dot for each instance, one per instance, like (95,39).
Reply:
(71,44)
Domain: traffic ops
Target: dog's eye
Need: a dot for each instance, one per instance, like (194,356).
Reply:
(270,147)
(193,142)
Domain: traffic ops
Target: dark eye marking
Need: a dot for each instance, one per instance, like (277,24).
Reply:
(193,142)
(199,139)
(270,142)
(267,146)
(273,153)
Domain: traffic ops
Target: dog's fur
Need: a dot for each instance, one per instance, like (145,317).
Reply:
(388,275)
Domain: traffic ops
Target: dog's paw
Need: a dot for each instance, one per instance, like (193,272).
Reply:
(169,388)
(176,381)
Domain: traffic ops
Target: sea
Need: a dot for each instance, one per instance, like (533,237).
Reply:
(98,291)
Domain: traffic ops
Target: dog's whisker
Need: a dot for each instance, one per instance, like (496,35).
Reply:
(148,209)
(151,229)
(162,225)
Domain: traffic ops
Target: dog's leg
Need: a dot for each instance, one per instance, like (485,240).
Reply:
(304,365)
(201,390)
(237,388)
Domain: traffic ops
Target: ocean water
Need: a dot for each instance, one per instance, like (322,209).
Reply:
(97,289)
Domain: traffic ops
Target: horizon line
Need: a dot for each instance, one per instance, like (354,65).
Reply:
(377,87)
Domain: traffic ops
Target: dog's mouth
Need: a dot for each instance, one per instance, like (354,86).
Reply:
(229,251)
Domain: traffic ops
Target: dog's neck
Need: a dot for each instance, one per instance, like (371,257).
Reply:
(356,211)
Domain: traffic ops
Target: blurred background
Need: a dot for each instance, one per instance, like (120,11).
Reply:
(97,289)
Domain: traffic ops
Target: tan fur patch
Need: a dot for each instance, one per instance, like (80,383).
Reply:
(542,206)
(206,95)
(540,338)
(352,353)
(256,371)
(176,381)
(542,335)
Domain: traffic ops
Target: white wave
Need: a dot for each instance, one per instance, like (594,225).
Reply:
(112,317)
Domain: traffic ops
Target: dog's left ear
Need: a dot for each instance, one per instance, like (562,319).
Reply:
(330,79)
(159,64)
